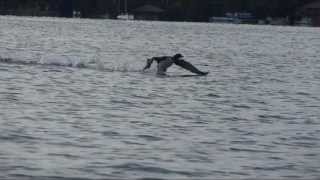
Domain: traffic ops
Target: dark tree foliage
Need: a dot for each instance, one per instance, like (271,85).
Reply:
(184,10)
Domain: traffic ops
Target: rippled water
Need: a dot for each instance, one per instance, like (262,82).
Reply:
(74,102)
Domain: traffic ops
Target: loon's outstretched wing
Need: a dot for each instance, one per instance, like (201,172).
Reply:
(188,66)
(148,65)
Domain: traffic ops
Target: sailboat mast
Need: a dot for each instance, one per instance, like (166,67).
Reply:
(119,6)
(125,6)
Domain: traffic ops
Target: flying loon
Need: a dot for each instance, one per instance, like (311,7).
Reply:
(164,62)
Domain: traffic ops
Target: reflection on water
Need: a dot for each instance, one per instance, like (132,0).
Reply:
(74,102)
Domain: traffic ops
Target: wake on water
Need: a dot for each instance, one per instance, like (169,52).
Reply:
(72,62)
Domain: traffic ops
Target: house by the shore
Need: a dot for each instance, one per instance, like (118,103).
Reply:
(148,12)
(311,11)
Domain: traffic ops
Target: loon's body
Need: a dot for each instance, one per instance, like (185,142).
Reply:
(165,62)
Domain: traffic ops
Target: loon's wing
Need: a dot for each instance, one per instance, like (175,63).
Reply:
(188,66)
(148,65)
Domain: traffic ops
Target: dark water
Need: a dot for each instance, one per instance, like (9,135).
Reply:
(74,103)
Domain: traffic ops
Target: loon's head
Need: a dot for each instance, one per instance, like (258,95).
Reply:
(177,56)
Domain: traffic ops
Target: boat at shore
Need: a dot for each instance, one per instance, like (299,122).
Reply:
(305,22)
(124,15)
(234,18)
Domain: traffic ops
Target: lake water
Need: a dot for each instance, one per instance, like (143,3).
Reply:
(74,103)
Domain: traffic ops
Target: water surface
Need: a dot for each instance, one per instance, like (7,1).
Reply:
(74,102)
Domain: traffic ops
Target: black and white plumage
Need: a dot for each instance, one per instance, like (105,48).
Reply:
(165,62)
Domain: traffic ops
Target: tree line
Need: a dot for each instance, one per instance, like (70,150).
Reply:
(184,10)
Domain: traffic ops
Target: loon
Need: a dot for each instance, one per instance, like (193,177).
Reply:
(165,62)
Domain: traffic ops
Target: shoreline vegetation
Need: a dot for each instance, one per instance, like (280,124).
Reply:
(274,12)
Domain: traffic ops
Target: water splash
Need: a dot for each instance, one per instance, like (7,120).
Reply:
(70,61)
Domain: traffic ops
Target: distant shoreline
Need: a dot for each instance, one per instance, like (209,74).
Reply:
(113,19)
